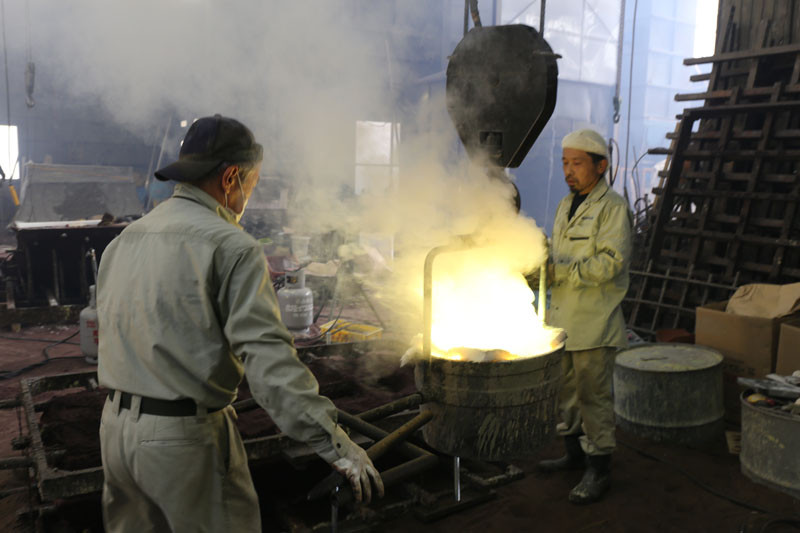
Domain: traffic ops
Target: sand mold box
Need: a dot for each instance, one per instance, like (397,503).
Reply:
(71,422)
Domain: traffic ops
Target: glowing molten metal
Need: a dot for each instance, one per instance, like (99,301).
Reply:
(483,311)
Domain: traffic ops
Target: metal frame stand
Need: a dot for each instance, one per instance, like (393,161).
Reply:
(457,477)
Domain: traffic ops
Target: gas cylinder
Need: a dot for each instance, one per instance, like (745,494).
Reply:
(88,320)
(296,302)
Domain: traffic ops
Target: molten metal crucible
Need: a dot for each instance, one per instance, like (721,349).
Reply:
(490,402)
(483,310)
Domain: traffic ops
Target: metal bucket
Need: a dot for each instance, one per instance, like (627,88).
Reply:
(770,440)
(670,393)
(490,411)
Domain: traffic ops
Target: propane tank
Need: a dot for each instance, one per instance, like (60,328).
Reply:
(296,303)
(88,320)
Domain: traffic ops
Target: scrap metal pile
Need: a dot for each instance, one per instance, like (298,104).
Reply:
(726,210)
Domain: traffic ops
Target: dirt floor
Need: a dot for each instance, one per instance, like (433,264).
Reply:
(656,488)
(649,494)
(16,354)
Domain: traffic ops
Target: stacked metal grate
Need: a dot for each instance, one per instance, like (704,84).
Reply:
(726,209)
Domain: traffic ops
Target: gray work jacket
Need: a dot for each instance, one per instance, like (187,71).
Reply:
(186,307)
(591,254)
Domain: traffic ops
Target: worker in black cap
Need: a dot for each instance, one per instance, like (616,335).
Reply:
(186,308)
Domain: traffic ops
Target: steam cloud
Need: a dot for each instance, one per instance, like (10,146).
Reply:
(298,74)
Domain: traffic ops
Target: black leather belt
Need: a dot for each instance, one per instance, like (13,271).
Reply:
(153,406)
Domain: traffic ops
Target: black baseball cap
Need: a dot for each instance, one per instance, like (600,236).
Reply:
(209,142)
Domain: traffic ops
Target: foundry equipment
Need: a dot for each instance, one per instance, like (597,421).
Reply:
(497,408)
(770,440)
(501,91)
(491,410)
(48,274)
(337,482)
(66,210)
(66,469)
(670,393)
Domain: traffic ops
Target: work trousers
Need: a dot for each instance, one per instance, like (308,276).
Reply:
(165,473)
(586,401)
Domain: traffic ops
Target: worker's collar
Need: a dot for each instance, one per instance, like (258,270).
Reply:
(198,195)
(597,192)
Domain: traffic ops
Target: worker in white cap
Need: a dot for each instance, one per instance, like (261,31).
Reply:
(591,249)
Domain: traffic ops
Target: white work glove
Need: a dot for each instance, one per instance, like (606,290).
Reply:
(357,467)
(414,353)
(559,337)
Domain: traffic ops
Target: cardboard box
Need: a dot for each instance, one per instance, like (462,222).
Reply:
(788,348)
(748,344)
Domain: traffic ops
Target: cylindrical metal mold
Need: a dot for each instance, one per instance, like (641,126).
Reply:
(670,393)
(770,441)
(490,410)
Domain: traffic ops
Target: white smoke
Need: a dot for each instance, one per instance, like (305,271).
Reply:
(299,74)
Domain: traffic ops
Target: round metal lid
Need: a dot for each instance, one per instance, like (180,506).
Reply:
(669,357)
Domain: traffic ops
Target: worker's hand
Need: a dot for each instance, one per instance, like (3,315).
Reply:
(357,467)
(558,339)
(414,352)
(551,273)
(533,277)
(411,356)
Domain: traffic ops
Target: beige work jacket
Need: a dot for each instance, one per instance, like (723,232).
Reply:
(186,307)
(591,253)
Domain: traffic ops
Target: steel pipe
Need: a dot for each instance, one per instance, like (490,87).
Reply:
(384,445)
(376,433)
(463,242)
(543,292)
(409,402)
(382,411)
(386,442)
(457,477)
(243,406)
(11,463)
(408,469)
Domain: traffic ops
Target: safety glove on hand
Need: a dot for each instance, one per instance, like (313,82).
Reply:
(414,352)
(551,273)
(533,276)
(357,467)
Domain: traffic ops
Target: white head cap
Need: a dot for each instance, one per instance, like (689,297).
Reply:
(587,140)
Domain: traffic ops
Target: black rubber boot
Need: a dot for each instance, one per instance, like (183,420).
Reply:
(596,480)
(575,459)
